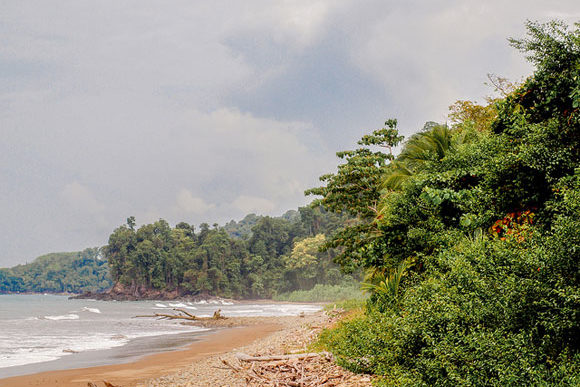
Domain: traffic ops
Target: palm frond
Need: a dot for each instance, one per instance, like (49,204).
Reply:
(396,175)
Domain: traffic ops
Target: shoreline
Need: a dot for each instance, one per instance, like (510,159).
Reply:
(155,365)
(128,352)
(183,298)
(109,335)
(213,361)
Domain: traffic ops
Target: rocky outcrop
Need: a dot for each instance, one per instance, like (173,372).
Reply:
(122,292)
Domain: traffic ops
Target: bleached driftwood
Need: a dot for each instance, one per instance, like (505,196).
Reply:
(107,384)
(243,357)
(184,316)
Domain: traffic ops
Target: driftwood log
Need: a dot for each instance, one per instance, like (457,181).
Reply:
(164,316)
(184,315)
(243,357)
(107,384)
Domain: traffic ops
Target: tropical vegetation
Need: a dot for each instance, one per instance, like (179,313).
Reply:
(470,237)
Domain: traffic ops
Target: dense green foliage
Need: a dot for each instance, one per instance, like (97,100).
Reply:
(355,190)
(474,260)
(257,257)
(58,273)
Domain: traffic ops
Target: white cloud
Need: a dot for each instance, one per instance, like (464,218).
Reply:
(298,24)
(253,204)
(81,198)
(189,203)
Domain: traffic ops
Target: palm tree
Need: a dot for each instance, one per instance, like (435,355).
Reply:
(387,286)
(432,144)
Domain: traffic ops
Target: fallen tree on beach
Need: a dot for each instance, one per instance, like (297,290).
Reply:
(183,315)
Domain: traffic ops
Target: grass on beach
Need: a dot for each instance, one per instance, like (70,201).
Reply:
(324,293)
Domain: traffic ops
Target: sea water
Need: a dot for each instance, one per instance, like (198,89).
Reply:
(53,332)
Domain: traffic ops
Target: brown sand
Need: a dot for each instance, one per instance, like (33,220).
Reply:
(295,335)
(153,366)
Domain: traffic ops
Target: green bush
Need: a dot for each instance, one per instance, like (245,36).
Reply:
(493,313)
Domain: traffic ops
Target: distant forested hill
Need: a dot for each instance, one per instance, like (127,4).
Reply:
(243,228)
(74,272)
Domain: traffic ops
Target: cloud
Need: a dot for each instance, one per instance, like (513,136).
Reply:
(189,203)
(253,204)
(81,198)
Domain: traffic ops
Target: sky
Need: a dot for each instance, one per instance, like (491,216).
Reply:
(202,111)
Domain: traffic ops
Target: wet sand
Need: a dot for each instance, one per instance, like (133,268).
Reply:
(153,366)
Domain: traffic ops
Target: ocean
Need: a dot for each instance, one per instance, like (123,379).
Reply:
(49,332)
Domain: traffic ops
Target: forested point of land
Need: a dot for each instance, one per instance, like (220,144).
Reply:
(470,237)
(258,257)
(74,272)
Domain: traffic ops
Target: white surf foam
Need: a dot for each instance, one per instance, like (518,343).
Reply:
(92,310)
(46,348)
(63,317)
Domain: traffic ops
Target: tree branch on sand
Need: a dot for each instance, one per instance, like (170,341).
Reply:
(183,315)
(296,370)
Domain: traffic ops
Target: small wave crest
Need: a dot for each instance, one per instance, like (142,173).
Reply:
(63,317)
(92,310)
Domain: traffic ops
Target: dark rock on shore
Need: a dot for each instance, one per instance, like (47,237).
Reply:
(121,292)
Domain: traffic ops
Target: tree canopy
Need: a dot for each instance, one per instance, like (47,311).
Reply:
(253,258)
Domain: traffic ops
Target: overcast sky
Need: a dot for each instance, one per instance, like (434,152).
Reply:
(204,111)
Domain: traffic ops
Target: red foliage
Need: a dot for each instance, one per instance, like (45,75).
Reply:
(513,224)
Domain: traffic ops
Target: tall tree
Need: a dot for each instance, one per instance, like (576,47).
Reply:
(356,189)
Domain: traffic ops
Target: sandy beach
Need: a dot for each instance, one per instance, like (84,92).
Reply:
(200,363)
(152,366)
